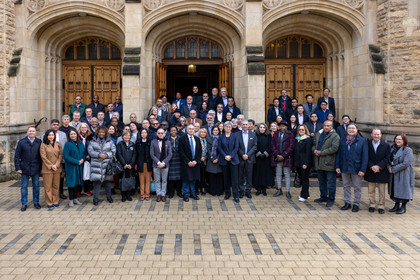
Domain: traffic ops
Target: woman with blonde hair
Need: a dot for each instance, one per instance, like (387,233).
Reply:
(202,134)
(302,160)
(85,136)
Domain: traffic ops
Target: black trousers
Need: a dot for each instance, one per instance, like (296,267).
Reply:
(62,182)
(304,179)
(73,192)
(202,186)
(231,176)
(216,185)
(174,185)
(245,176)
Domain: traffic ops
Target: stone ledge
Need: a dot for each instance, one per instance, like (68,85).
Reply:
(416,87)
(132,50)
(131,70)
(256,68)
(254,49)
(255,58)
(13,70)
(131,59)
(18,51)
(132,1)
(15,60)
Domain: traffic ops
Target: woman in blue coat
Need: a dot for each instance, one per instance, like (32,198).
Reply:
(74,154)
(352,160)
(229,160)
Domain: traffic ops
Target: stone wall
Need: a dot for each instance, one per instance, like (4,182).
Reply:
(401,47)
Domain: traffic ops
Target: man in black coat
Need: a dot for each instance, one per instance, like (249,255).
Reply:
(214,99)
(246,152)
(28,164)
(96,106)
(377,171)
(186,108)
(342,129)
(313,125)
(329,100)
(190,151)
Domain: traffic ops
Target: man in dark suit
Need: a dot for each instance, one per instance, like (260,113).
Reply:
(214,99)
(246,152)
(190,151)
(309,107)
(285,100)
(108,115)
(88,116)
(197,98)
(275,111)
(209,124)
(185,109)
(313,125)
(231,107)
(193,118)
(322,112)
(178,100)
(301,118)
(118,106)
(329,100)
(162,110)
(96,106)
(28,164)
(292,109)
(224,97)
(342,129)
(219,116)
(377,171)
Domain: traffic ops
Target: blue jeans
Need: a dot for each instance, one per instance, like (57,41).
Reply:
(24,188)
(327,184)
(187,186)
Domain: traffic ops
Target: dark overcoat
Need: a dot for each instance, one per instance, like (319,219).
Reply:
(189,173)
(380,158)
(175,163)
(143,155)
(27,157)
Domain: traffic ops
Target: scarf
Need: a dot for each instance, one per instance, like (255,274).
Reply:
(350,141)
(213,152)
(300,138)
(204,147)
(163,150)
(101,143)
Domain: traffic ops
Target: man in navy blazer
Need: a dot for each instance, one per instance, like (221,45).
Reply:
(231,107)
(309,107)
(275,111)
(179,101)
(246,152)
(186,108)
(118,106)
(28,164)
(301,118)
(313,125)
(329,100)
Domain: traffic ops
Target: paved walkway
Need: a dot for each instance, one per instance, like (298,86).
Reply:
(261,238)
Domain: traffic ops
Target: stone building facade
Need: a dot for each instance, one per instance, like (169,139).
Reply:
(365,51)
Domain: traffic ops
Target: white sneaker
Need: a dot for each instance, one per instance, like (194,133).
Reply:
(71,204)
(76,201)
(301,199)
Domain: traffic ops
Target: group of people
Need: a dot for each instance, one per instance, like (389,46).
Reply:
(203,144)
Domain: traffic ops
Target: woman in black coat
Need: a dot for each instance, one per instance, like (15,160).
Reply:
(174,174)
(126,155)
(263,174)
(144,163)
(302,159)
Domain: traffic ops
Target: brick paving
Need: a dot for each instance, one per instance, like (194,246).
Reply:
(261,238)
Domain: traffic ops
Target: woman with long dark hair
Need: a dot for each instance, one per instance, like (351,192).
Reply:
(401,185)
(86,136)
(263,174)
(126,155)
(213,168)
(302,159)
(144,163)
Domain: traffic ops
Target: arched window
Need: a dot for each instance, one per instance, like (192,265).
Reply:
(92,48)
(294,47)
(192,47)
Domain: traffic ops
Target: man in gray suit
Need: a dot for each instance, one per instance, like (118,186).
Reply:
(309,107)
(246,152)
(62,138)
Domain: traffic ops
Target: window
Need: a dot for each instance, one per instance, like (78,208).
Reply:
(92,49)
(294,47)
(192,47)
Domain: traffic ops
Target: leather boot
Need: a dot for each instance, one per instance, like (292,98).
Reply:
(402,210)
(395,208)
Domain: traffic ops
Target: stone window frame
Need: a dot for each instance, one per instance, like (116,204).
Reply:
(287,40)
(184,41)
(85,42)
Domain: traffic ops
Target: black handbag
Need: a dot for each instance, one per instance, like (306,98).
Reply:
(114,167)
(127,183)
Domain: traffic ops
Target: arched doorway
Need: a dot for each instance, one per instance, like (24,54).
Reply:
(189,61)
(297,64)
(91,66)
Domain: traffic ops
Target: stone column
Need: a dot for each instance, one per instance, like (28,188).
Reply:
(253,102)
(131,61)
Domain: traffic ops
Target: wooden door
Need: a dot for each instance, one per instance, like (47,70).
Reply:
(77,81)
(160,88)
(224,77)
(278,77)
(309,80)
(107,82)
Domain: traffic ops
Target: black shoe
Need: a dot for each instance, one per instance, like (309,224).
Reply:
(241,194)
(95,202)
(113,191)
(191,196)
(402,209)
(37,206)
(395,208)
(248,195)
(264,192)
(288,195)
(236,200)
(320,200)
(129,198)
(372,209)
(110,200)
(227,196)
(258,192)
(123,199)
(180,195)
(346,206)
(186,199)
(330,203)
(203,193)
(62,196)
(381,211)
(171,196)
(195,197)
(23,209)
(355,208)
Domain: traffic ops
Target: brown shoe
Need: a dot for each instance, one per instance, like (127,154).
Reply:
(163,198)
(158,198)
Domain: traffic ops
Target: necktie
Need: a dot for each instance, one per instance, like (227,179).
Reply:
(192,147)
(192,121)
(160,145)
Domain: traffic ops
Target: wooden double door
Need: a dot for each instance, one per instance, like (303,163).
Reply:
(90,80)
(299,79)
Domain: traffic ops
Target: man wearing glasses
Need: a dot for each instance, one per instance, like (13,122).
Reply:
(118,107)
